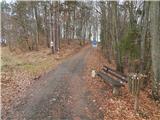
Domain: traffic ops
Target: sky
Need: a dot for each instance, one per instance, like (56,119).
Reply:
(8,1)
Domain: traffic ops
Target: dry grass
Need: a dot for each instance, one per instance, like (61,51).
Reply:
(35,61)
(20,70)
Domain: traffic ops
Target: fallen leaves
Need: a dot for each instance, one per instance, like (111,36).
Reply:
(120,108)
(21,70)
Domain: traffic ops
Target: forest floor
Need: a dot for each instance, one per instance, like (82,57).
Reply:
(121,107)
(19,70)
(70,93)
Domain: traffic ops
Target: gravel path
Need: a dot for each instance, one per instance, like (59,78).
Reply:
(61,94)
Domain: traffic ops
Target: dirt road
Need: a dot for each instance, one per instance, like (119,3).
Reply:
(61,94)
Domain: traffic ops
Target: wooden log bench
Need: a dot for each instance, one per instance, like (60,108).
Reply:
(116,84)
(115,73)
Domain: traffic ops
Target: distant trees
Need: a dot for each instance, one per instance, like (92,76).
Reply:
(38,23)
(5,9)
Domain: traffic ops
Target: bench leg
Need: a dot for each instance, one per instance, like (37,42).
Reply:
(116,91)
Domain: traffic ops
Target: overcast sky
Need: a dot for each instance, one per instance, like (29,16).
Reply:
(8,1)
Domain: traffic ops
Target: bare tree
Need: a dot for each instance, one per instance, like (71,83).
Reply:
(144,34)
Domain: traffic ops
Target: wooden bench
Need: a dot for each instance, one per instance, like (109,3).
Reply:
(115,73)
(116,84)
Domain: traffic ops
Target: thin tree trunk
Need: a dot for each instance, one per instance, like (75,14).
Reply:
(144,32)
(55,27)
(37,28)
(131,15)
(58,25)
(51,28)
(74,22)
(119,66)
(46,26)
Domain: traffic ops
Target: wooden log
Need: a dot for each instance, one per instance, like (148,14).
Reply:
(117,72)
(110,80)
(114,83)
(115,75)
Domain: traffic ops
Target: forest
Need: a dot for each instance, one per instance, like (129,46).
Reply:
(127,34)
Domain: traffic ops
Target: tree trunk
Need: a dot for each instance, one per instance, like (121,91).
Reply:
(55,27)
(74,23)
(51,28)
(144,32)
(105,31)
(155,46)
(131,15)
(119,65)
(37,28)
(46,26)
(67,27)
(58,25)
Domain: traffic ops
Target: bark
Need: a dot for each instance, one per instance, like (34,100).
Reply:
(67,26)
(155,47)
(131,15)
(84,28)
(144,33)
(46,26)
(51,28)
(58,26)
(55,27)
(107,32)
(74,23)
(119,66)
(90,32)
(110,34)
(37,28)
(104,32)
(136,103)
